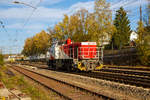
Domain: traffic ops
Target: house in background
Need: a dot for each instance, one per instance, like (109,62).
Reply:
(133,36)
(104,39)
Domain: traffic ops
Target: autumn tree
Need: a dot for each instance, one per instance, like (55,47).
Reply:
(147,15)
(80,27)
(42,42)
(143,44)
(37,44)
(60,31)
(143,41)
(72,27)
(103,19)
(29,47)
(147,19)
(85,26)
(123,30)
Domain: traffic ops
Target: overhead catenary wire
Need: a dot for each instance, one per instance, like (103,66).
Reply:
(124,4)
(31,14)
(3,26)
(28,18)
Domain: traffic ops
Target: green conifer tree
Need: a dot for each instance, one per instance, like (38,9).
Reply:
(123,30)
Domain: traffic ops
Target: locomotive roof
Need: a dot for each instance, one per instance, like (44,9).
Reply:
(82,43)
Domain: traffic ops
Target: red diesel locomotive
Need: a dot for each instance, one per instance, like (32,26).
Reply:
(83,56)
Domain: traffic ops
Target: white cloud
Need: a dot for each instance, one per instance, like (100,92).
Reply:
(43,14)
(82,5)
(128,4)
(4,1)
(119,4)
(28,27)
(31,2)
(50,2)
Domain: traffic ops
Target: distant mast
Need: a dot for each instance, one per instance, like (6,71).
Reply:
(140,11)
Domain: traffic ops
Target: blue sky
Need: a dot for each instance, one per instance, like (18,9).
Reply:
(47,14)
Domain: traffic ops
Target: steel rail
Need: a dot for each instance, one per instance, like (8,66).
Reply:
(21,70)
(137,78)
(129,68)
(121,78)
(125,71)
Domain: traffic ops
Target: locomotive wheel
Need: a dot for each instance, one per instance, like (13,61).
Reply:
(53,65)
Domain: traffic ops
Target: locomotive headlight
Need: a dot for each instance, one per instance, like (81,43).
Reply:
(79,63)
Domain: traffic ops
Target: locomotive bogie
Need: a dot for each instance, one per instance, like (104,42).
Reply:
(69,64)
(89,65)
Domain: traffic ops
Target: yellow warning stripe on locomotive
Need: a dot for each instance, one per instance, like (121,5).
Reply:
(83,68)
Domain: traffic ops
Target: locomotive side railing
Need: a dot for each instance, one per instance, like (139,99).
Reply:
(85,53)
(90,52)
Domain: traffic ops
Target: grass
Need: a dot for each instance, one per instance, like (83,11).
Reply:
(20,83)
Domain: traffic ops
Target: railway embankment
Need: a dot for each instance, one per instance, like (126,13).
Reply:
(18,87)
(112,89)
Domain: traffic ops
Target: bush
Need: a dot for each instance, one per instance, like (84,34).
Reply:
(1,59)
(144,55)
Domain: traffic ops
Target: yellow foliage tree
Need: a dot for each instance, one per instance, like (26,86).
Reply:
(143,44)
(37,45)
(103,18)
(28,47)
(85,26)
(77,26)
(42,42)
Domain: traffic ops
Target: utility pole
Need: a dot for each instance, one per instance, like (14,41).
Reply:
(140,11)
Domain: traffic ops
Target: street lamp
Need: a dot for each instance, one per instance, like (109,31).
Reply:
(17,2)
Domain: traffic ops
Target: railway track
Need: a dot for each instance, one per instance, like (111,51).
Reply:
(121,78)
(129,68)
(121,70)
(66,90)
(127,71)
(131,77)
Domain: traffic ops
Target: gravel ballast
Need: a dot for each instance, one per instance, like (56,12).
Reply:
(112,89)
